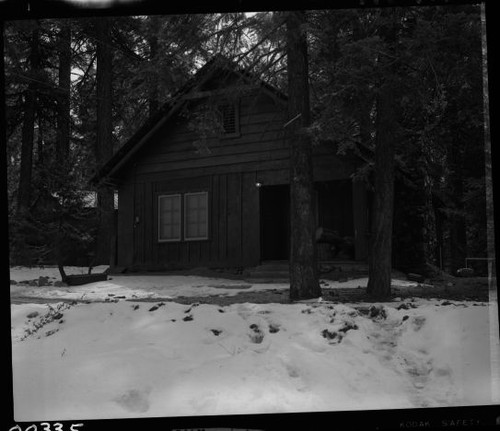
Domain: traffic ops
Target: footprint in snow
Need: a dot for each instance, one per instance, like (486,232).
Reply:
(273,328)
(196,304)
(406,306)
(155,307)
(292,371)
(333,337)
(418,322)
(418,368)
(257,335)
(377,312)
(134,400)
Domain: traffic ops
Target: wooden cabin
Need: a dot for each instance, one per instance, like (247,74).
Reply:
(205,182)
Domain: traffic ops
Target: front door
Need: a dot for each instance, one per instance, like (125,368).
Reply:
(275,222)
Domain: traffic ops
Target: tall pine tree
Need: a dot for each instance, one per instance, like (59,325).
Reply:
(304,282)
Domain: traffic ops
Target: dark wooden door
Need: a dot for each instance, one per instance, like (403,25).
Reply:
(275,222)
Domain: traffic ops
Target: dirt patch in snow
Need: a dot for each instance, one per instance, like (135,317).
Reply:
(462,290)
(261,297)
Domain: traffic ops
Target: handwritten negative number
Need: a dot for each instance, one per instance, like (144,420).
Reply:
(57,426)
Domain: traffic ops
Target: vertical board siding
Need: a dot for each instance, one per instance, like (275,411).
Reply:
(139,227)
(125,226)
(228,170)
(234,218)
(150,229)
(250,216)
(214,219)
(153,216)
(222,239)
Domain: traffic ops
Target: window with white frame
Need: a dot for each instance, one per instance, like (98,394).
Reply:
(169,218)
(195,216)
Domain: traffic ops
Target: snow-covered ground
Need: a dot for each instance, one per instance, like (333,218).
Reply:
(144,359)
(129,286)
(151,286)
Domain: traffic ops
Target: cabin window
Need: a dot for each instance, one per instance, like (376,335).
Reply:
(195,216)
(169,218)
(229,114)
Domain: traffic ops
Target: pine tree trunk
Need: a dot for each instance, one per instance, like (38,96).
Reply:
(458,236)
(304,282)
(153,52)
(27,136)
(490,218)
(438,233)
(63,105)
(104,148)
(455,186)
(380,258)
(63,130)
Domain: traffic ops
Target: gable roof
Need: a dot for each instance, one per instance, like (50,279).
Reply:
(190,90)
(217,66)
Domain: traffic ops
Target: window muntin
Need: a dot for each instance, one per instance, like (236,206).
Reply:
(169,218)
(195,216)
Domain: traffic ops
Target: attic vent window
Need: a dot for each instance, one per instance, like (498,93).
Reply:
(229,119)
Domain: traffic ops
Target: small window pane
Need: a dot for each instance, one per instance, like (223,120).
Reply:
(169,218)
(196,216)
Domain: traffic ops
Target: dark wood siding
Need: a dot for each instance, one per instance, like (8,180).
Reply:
(250,212)
(125,225)
(228,169)
(233,219)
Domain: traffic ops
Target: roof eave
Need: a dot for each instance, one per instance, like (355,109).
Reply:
(150,126)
